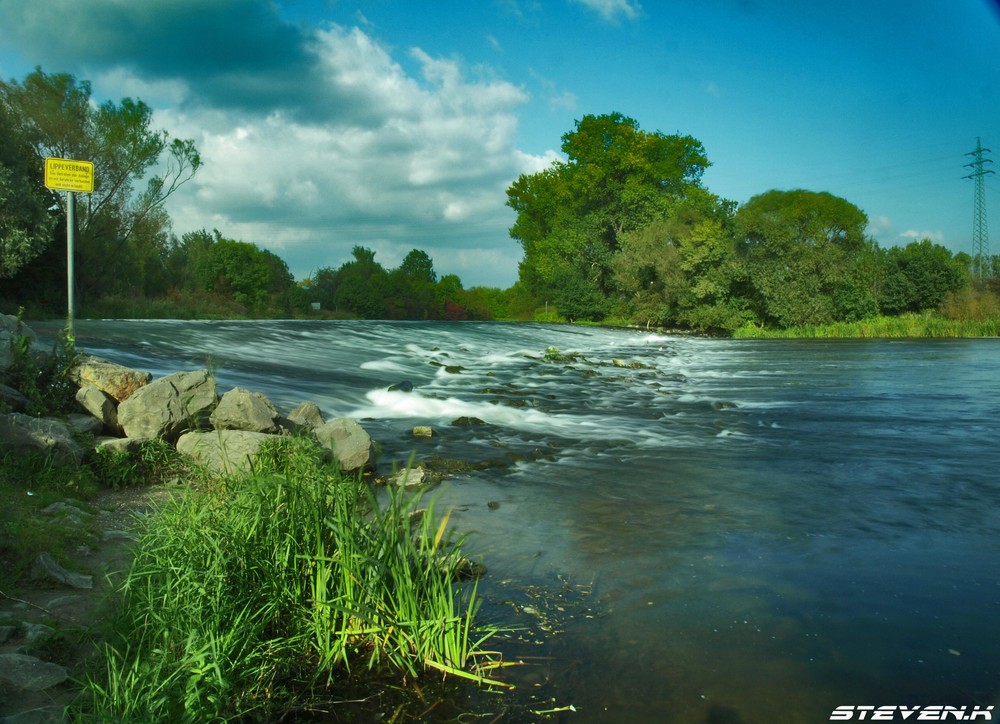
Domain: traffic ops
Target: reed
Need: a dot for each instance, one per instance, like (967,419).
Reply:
(248,597)
(928,325)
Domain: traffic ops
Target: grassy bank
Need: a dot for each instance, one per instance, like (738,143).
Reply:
(928,325)
(260,595)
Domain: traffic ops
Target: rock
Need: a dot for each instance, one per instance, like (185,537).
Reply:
(23,433)
(116,380)
(348,444)
(467,422)
(10,329)
(99,404)
(423,431)
(404,386)
(52,714)
(224,451)
(80,424)
(27,672)
(34,632)
(12,399)
(241,409)
(44,568)
(121,444)
(64,508)
(306,416)
(415,477)
(169,406)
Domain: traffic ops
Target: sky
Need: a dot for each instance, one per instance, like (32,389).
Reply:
(399,124)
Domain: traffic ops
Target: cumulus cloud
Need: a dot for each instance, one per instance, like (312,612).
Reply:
(312,140)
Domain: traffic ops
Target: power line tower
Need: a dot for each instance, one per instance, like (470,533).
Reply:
(980,229)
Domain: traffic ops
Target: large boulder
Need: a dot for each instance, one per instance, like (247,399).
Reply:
(169,406)
(116,380)
(348,444)
(241,409)
(224,451)
(23,433)
(101,405)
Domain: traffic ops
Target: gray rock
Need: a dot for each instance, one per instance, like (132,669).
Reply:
(22,433)
(53,714)
(11,329)
(348,444)
(241,409)
(84,424)
(13,399)
(306,416)
(169,406)
(34,632)
(101,405)
(415,477)
(63,508)
(121,444)
(27,672)
(224,451)
(46,569)
(116,380)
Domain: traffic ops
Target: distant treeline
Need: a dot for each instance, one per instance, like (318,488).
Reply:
(623,232)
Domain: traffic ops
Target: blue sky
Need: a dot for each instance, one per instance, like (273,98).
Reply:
(396,125)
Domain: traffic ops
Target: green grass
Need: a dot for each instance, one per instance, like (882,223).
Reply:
(250,597)
(928,325)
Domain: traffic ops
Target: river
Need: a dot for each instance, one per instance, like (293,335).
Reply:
(711,530)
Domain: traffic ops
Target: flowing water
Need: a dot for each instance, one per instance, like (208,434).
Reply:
(710,530)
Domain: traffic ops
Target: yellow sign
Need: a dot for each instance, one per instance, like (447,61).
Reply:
(63,174)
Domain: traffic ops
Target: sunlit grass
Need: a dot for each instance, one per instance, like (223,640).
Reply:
(927,325)
(249,596)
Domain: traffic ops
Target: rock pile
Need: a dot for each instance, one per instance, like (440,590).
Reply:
(123,407)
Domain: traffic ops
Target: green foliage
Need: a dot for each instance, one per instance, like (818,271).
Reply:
(121,234)
(25,222)
(153,463)
(969,304)
(799,248)
(919,275)
(44,379)
(572,218)
(245,600)
(906,325)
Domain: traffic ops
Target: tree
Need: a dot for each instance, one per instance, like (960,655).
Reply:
(362,286)
(25,221)
(919,275)
(572,217)
(56,117)
(800,249)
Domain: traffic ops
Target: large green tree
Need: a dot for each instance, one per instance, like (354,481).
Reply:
(801,251)
(572,218)
(122,231)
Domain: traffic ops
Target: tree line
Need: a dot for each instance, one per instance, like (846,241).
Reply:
(623,230)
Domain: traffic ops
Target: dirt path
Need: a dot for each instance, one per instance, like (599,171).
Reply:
(52,621)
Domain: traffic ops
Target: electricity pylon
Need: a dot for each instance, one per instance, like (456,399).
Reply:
(980,228)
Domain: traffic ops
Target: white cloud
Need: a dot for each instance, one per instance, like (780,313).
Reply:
(612,10)
(914,235)
(418,163)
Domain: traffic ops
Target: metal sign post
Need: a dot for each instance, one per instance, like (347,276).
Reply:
(63,174)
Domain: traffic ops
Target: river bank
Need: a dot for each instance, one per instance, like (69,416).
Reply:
(274,554)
